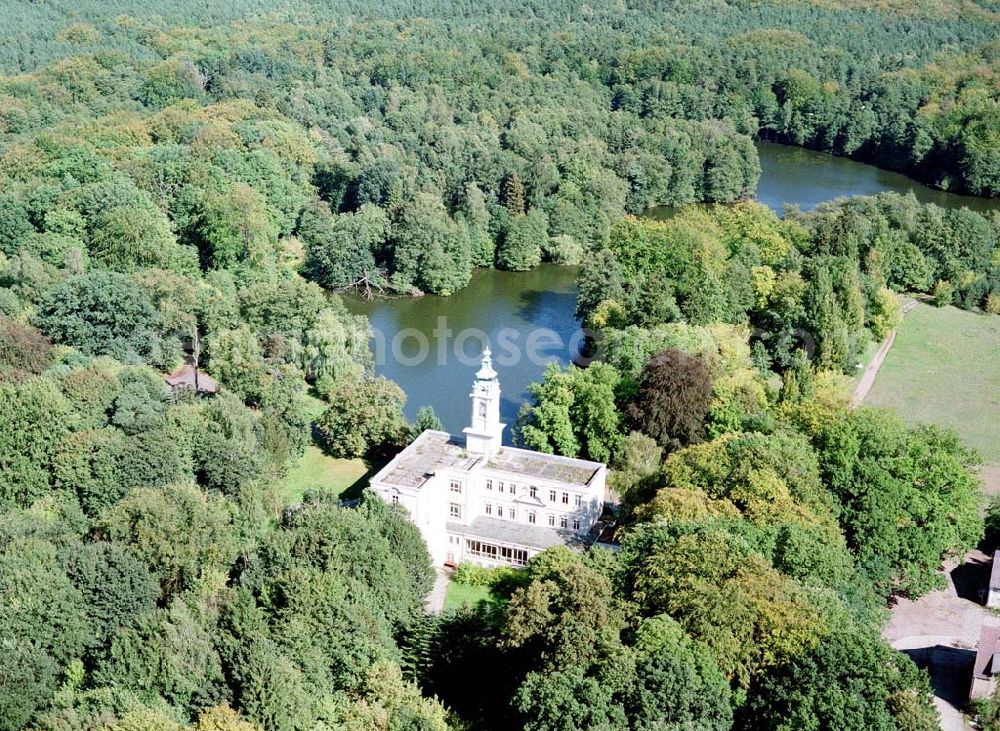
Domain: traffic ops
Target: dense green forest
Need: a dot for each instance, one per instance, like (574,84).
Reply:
(821,281)
(201,183)
(909,85)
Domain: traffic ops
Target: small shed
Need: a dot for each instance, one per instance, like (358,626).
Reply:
(987,663)
(189,378)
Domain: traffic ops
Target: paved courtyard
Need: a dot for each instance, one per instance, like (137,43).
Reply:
(940,631)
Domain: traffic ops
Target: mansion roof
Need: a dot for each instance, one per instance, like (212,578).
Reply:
(544,466)
(428,453)
(436,450)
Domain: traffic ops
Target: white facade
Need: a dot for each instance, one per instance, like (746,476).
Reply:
(475,500)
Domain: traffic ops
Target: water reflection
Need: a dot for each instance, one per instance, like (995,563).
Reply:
(806,178)
(517,311)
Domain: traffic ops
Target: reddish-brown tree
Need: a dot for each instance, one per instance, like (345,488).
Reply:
(23,349)
(674,396)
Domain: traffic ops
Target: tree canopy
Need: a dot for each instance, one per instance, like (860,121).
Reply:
(188,188)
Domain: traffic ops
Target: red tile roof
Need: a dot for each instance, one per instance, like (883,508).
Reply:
(184,377)
(989,646)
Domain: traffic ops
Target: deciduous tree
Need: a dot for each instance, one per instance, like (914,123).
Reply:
(674,396)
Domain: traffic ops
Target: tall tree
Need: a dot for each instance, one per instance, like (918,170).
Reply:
(103,313)
(674,396)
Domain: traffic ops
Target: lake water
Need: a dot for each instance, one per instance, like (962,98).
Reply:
(805,178)
(508,307)
(431,345)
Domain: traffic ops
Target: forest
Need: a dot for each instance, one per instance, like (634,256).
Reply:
(204,184)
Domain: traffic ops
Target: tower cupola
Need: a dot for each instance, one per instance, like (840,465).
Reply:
(484,434)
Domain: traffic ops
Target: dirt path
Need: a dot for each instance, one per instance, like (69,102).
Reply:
(434,604)
(990,475)
(868,377)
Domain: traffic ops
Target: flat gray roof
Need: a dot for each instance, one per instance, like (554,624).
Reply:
(431,451)
(434,450)
(520,534)
(544,466)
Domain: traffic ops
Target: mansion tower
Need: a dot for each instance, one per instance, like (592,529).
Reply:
(475,500)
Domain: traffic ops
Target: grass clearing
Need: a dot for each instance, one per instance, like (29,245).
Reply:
(944,368)
(459,594)
(317,470)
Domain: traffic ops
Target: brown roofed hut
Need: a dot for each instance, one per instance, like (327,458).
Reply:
(189,378)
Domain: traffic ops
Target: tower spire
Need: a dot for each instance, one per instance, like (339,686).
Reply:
(484,434)
(486,372)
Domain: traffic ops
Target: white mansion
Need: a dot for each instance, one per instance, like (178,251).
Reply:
(475,500)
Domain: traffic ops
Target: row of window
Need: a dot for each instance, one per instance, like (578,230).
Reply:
(513,556)
(510,487)
(532,491)
(532,516)
(511,511)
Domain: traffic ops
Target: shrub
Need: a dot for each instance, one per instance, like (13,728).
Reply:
(943,293)
(102,313)
(500,578)
(23,347)
(886,313)
(563,249)
(363,416)
(675,393)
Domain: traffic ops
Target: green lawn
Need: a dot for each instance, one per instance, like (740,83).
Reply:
(945,368)
(459,594)
(317,470)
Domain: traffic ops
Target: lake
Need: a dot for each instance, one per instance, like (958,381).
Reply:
(523,314)
(806,178)
(431,345)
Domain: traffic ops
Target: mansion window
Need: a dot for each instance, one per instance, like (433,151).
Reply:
(489,509)
(552,521)
(511,514)
(394,497)
(489,484)
(531,518)
(563,521)
(533,491)
(576,524)
(552,496)
(577,500)
(456,486)
(500,487)
(565,498)
(455,510)
(512,489)
(513,556)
